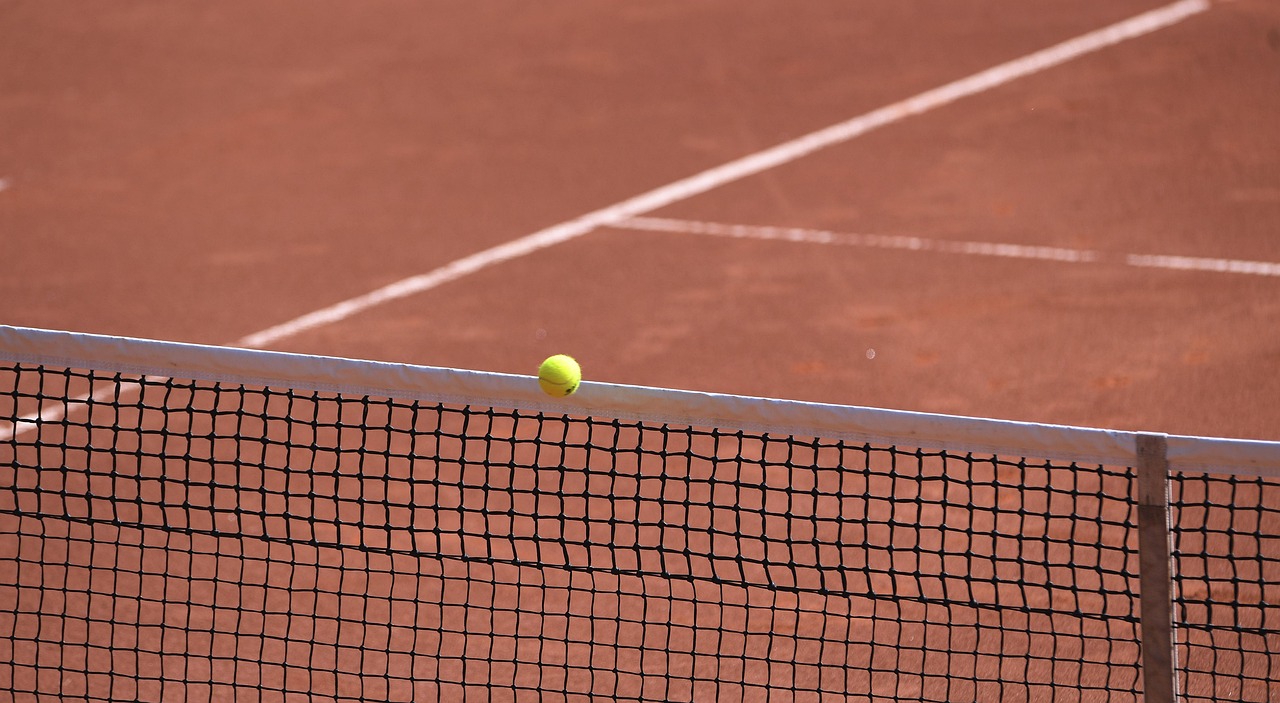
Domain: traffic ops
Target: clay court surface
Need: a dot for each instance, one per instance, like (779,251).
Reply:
(203,173)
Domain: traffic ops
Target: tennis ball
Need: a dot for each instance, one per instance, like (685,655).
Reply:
(559,375)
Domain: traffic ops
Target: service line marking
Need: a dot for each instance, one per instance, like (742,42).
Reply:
(741,168)
(912,243)
(697,184)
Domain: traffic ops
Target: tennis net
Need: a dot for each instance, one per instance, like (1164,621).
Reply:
(194,523)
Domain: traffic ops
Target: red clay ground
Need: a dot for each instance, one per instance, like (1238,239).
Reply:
(203,174)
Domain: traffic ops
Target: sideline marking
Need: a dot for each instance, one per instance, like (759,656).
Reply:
(909,243)
(697,184)
(741,168)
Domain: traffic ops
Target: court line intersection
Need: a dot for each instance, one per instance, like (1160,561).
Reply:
(697,184)
(739,169)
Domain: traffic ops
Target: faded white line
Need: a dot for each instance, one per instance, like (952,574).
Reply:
(1193,263)
(877,241)
(736,170)
(910,243)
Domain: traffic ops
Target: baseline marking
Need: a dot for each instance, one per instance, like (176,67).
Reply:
(741,168)
(910,243)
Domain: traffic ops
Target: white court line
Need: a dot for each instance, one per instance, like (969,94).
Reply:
(736,170)
(1194,263)
(909,243)
(707,180)
(59,408)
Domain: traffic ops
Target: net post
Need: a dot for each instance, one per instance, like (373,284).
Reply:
(1159,681)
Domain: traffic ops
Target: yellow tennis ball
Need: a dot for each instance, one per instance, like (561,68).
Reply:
(559,375)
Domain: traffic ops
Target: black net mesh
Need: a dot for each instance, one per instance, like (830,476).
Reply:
(169,539)
(1226,596)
